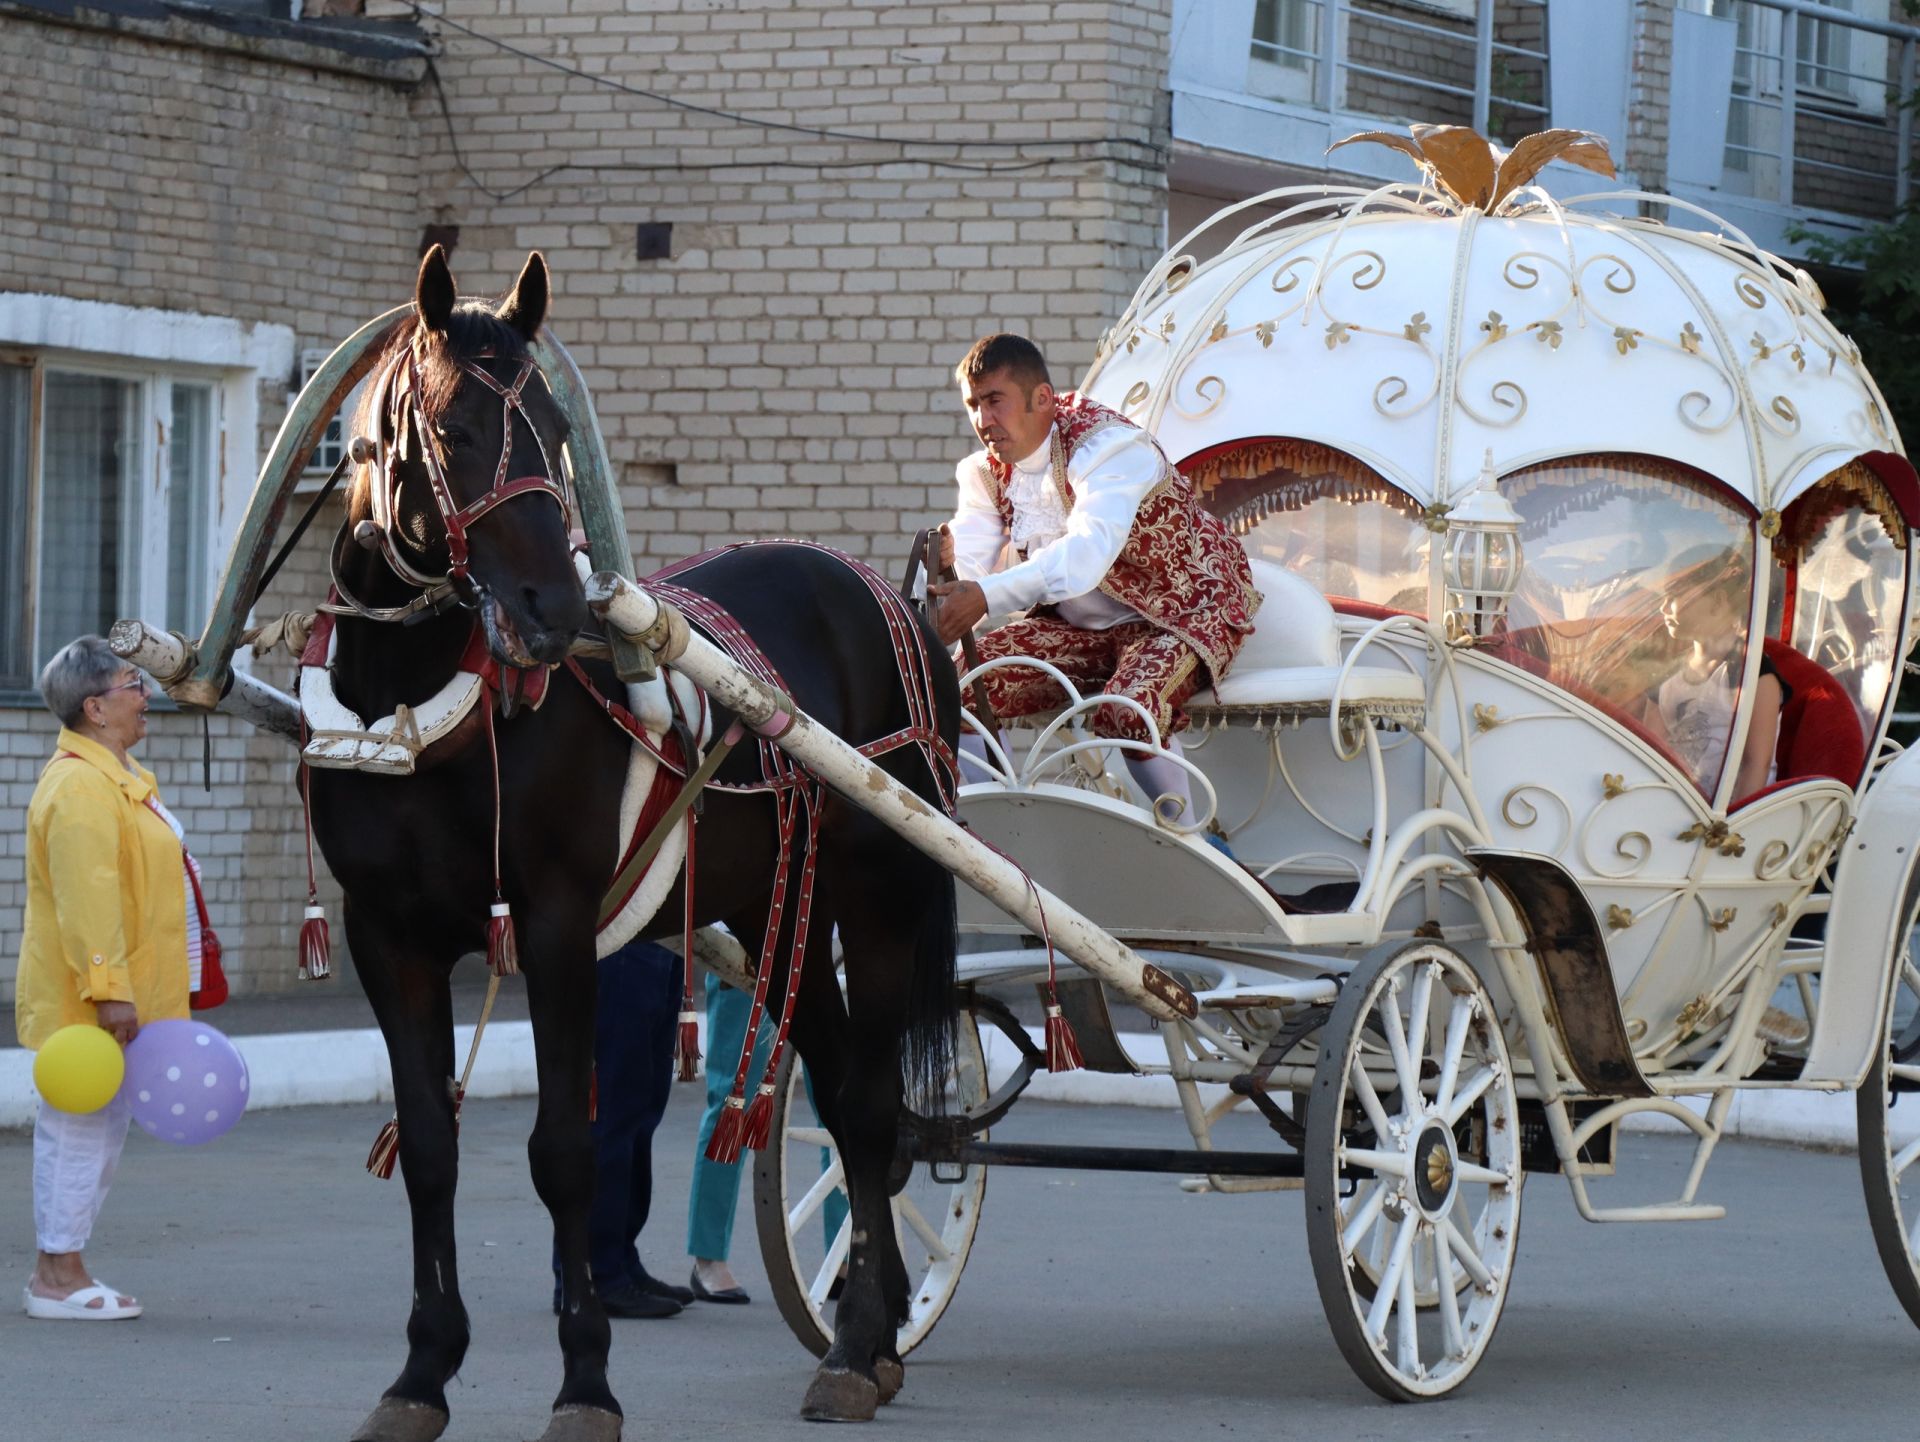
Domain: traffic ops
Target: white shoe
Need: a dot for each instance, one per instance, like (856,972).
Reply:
(76,1306)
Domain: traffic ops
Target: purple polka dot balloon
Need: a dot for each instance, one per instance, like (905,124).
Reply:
(186,1082)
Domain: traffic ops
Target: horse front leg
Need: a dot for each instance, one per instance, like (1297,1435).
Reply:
(414,1007)
(561,985)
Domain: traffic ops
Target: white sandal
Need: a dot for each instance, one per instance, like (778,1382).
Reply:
(74,1308)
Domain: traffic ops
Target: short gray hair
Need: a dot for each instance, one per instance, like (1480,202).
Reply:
(79,669)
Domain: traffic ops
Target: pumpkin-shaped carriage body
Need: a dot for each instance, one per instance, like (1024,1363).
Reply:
(1559,744)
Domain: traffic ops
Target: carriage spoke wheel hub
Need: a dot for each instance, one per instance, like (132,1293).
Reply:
(1435,1167)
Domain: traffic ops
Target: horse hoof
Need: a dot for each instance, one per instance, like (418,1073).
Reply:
(840,1397)
(891,1375)
(579,1423)
(398,1420)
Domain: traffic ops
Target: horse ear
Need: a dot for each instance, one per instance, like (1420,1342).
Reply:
(434,292)
(526,306)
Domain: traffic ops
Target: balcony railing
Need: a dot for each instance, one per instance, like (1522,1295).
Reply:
(1481,63)
(1820,114)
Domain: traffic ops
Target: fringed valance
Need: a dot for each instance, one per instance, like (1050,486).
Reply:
(1853,487)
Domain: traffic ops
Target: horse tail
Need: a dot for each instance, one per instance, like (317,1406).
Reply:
(933,992)
(928,1046)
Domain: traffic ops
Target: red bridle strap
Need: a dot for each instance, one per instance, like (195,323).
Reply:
(454,516)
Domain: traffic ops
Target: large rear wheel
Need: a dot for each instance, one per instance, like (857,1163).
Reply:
(1887,1167)
(1413,1172)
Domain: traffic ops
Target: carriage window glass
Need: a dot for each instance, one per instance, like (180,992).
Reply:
(89,447)
(16,439)
(1324,516)
(189,495)
(1846,542)
(1634,596)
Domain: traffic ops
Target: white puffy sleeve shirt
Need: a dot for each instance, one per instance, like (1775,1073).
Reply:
(1109,475)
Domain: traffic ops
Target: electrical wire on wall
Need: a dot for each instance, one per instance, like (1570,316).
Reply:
(1023,156)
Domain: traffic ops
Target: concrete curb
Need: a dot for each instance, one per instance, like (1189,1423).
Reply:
(327,1068)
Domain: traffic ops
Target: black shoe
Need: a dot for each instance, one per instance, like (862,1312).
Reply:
(732,1296)
(623,1298)
(654,1287)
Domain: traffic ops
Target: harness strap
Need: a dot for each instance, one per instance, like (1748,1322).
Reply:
(636,864)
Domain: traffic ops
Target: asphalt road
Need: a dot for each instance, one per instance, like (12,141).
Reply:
(1095,1307)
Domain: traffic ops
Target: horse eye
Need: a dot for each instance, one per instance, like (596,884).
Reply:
(454,438)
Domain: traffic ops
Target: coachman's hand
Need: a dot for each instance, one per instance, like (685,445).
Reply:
(946,550)
(962,604)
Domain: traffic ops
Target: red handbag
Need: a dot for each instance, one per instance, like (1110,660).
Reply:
(213,981)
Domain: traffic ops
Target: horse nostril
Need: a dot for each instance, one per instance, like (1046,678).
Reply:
(530,598)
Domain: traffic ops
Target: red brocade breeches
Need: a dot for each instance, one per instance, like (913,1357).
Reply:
(1136,660)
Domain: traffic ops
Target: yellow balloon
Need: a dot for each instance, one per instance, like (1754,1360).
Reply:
(79,1069)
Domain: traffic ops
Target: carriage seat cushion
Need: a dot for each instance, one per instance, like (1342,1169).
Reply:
(1292,659)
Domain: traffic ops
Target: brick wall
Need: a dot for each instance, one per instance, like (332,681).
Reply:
(170,164)
(785,370)
(1647,100)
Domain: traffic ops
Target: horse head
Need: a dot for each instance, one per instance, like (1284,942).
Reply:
(466,496)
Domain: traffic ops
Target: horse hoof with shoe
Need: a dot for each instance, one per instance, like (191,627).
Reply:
(840,1396)
(582,1424)
(397,1420)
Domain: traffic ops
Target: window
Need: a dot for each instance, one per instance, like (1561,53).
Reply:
(1284,55)
(333,441)
(1634,596)
(109,501)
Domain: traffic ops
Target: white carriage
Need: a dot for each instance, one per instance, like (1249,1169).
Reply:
(1537,493)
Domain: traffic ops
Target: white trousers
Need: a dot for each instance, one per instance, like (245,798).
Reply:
(74,1158)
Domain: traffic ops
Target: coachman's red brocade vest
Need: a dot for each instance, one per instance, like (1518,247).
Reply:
(1180,567)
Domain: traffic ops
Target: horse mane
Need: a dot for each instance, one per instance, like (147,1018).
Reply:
(473,331)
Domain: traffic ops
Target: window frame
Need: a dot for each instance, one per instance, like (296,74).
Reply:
(153,351)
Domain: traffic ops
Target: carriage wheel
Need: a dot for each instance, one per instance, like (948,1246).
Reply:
(936,1210)
(1892,1179)
(1412,1157)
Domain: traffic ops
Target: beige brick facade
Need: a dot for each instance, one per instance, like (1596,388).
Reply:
(785,371)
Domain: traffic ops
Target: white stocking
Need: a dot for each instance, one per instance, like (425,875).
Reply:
(1169,793)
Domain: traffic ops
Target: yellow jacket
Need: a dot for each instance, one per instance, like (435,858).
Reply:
(106,902)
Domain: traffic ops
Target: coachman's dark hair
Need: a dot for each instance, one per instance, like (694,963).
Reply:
(1019,357)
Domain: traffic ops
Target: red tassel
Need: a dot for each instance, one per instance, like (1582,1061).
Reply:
(316,950)
(759,1121)
(1063,1048)
(686,1046)
(386,1151)
(503,952)
(725,1146)
(593,1095)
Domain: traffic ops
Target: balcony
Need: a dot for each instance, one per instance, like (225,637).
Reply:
(1262,87)
(1791,105)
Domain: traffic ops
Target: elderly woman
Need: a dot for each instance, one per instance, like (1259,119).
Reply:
(105,943)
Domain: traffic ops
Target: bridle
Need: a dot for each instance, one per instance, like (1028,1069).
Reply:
(397,400)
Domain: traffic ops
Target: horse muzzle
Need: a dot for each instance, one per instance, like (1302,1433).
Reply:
(520,644)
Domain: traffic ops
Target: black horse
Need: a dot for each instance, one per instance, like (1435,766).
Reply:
(415,855)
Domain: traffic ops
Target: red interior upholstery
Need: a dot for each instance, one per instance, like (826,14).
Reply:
(1819,727)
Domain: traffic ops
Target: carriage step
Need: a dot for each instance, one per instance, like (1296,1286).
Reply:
(1175,1161)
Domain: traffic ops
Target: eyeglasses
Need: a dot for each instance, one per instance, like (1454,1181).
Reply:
(138,683)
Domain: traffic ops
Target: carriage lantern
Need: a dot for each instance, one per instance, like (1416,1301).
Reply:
(1482,559)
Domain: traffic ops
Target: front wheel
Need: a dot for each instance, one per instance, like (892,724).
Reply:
(799,1206)
(1412,1172)
(1892,1180)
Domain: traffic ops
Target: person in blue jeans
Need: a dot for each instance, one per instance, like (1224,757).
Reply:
(639,1007)
(712,1199)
